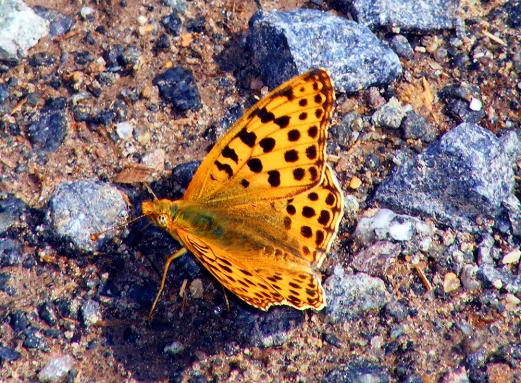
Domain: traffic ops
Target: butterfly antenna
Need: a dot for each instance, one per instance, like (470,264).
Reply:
(96,235)
(151,191)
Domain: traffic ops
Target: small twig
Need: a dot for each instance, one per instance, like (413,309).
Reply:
(494,37)
(18,106)
(423,278)
(67,36)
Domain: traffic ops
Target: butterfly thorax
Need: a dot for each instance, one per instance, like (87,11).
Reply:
(179,215)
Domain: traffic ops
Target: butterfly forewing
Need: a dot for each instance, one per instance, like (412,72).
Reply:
(276,150)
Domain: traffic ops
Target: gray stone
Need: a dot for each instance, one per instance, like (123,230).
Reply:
(56,369)
(401,46)
(469,278)
(416,127)
(456,375)
(396,310)
(59,24)
(458,99)
(177,5)
(12,212)
(284,44)
(8,354)
(91,313)
(350,296)
(124,130)
(269,329)
(386,224)
(11,252)
(377,258)
(81,208)
(500,278)
(465,174)
(391,114)
(21,28)
(408,15)
(513,10)
(49,131)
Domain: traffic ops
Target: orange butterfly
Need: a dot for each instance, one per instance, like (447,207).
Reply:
(263,208)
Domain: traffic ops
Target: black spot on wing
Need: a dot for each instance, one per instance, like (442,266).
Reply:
(231,154)
(267,144)
(282,121)
(274,178)
(248,138)
(291,155)
(225,168)
(255,165)
(264,115)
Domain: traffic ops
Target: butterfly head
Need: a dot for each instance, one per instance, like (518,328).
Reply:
(161,211)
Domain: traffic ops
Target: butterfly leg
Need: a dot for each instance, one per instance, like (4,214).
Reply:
(169,260)
(226,299)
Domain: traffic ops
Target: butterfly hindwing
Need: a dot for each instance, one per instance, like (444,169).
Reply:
(261,284)
(275,150)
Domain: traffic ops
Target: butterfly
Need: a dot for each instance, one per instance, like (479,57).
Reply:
(263,208)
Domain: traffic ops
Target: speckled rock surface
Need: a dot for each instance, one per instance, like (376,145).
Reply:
(283,44)
(465,174)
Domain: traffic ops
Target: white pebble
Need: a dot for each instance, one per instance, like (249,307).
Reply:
(124,130)
(142,20)
(173,348)
(475,104)
(512,257)
(85,12)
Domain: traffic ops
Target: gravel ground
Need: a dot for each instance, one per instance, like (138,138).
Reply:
(423,283)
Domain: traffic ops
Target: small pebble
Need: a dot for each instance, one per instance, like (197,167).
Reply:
(391,114)
(86,12)
(401,231)
(155,160)
(174,348)
(512,302)
(124,130)
(91,312)
(451,283)
(475,104)
(512,257)
(469,278)
(196,289)
(499,373)
(351,206)
(355,183)
(56,369)
(8,354)
(142,20)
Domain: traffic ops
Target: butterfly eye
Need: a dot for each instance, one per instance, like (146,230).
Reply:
(162,220)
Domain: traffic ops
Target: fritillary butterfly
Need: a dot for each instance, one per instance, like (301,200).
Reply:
(263,208)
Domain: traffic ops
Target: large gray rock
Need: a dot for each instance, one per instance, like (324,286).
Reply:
(465,174)
(284,44)
(408,15)
(20,29)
